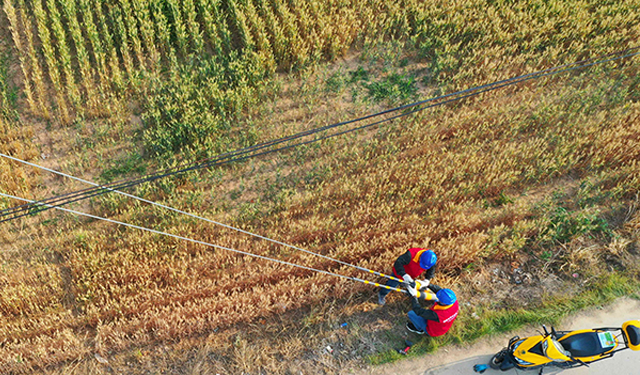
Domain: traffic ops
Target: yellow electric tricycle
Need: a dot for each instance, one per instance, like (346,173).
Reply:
(567,349)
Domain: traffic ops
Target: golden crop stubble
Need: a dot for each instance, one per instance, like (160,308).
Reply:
(193,315)
(616,144)
(42,351)
(32,314)
(322,31)
(399,22)
(16,141)
(297,47)
(32,290)
(165,294)
(306,27)
(260,35)
(345,29)
(276,35)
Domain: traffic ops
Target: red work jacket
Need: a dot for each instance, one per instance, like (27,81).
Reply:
(446,315)
(413,269)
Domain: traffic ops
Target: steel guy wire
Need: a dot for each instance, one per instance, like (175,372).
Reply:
(203,218)
(88,193)
(79,213)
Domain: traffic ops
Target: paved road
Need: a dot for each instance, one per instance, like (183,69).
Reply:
(460,360)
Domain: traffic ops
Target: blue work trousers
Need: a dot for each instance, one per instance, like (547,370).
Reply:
(419,322)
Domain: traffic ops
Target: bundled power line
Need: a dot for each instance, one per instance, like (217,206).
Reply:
(298,139)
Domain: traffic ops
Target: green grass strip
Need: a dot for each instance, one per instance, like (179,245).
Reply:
(550,311)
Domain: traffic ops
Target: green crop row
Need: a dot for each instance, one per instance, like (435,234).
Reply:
(139,47)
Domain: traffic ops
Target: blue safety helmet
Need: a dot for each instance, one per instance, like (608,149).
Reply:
(446,296)
(428,259)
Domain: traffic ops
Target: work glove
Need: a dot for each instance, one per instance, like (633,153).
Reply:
(424,283)
(407,279)
(412,290)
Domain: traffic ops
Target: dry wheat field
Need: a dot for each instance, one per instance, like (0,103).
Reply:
(525,193)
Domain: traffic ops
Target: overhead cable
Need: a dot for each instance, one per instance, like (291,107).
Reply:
(203,218)
(425,295)
(250,152)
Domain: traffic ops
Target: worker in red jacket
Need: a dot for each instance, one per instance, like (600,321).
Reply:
(408,267)
(436,320)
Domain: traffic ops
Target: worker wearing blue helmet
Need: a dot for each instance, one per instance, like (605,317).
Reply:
(437,320)
(408,267)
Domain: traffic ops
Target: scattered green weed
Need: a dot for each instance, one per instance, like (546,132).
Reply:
(358,75)
(8,92)
(335,82)
(194,114)
(394,87)
(546,255)
(502,199)
(132,163)
(564,226)
(590,194)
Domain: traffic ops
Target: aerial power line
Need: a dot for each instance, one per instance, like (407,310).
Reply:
(274,146)
(204,219)
(270,146)
(424,295)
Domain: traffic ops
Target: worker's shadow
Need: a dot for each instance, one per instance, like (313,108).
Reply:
(465,366)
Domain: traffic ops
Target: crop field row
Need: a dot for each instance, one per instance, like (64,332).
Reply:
(15,137)
(110,289)
(86,53)
(195,64)
(534,174)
